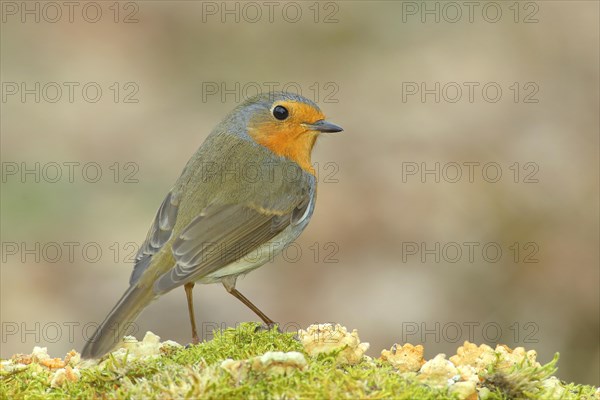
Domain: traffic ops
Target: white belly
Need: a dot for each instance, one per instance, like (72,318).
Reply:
(257,257)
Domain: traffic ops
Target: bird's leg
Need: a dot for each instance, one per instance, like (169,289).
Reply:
(251,306)
(188,293)
(230,287)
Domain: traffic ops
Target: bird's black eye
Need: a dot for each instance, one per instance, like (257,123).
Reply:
(280,112)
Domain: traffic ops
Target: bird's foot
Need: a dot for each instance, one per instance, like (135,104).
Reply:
(267,327)
(195,341)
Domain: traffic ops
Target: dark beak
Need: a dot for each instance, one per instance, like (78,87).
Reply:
(324,126)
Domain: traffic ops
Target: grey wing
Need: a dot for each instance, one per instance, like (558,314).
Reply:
(221,235)
(159,234)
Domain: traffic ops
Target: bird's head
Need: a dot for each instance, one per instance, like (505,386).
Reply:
(287,124)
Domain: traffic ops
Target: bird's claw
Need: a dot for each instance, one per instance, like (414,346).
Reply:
(268,327)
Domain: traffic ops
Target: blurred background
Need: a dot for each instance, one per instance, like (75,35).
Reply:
(460,203)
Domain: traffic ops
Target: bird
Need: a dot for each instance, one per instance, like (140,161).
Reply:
(247,192)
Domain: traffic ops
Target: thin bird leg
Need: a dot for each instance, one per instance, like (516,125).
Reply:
(188,293)
(251,306)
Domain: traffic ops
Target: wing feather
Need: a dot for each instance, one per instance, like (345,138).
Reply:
(217,237)
(160,232)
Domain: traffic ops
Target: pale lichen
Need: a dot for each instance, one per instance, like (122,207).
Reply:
(329,338)
(63,375)
(438,372)
(148,348)
(270,363)
(405,358)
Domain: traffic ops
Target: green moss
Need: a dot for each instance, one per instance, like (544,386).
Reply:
(195,372)
(528,382)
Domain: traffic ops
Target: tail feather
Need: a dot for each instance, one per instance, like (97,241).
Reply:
(118,322)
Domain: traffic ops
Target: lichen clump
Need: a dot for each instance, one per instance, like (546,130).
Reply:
(149,347)
(328,338)
(57,370)
(405,358)
(270,363)
(471,372)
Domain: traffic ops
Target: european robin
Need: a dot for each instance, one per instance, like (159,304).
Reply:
(247,192)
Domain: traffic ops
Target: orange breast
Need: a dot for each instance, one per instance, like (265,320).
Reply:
(297,146)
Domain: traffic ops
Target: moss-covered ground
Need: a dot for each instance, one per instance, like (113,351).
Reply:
(198,372)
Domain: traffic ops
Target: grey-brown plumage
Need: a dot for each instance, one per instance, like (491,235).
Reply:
(234,197)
